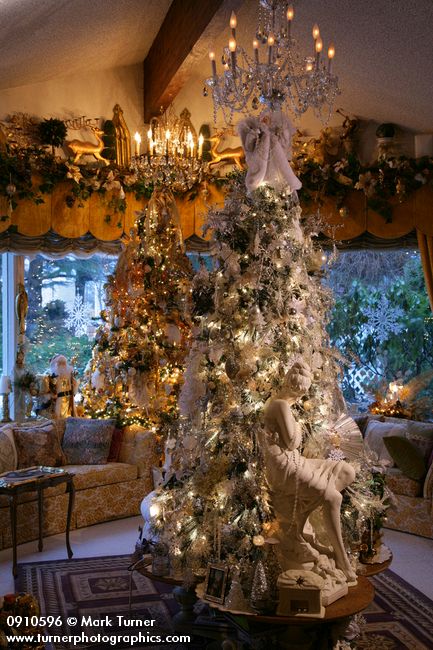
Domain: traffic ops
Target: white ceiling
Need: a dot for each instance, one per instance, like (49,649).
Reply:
(44,39)
(384,47)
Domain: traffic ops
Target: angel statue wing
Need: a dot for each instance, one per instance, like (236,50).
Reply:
(255,138)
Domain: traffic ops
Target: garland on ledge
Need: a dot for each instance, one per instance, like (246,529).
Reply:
(29,168)
(330,167)
(327,167)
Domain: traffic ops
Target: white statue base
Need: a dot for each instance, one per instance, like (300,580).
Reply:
(301,594)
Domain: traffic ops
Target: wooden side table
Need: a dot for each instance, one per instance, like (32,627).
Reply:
(35,479)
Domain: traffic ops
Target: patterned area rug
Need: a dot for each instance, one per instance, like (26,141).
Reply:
(400,616)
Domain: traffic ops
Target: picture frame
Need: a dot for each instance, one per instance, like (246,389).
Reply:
(216,582)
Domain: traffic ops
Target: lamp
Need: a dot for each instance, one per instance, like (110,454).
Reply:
(277,74)
(5,389)
(174,153)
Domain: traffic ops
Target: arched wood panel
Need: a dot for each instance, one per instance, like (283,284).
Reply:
(68,221)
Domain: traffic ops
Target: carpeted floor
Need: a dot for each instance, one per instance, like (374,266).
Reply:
(400,616)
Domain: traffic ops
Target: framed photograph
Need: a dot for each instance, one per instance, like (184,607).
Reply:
(216,582)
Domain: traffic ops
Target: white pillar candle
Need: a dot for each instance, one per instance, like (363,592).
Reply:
(5,385)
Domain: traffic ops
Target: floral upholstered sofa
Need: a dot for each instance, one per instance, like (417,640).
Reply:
(112,468)
(408,464)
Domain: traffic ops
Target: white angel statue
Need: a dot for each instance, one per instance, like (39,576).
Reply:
(267,142)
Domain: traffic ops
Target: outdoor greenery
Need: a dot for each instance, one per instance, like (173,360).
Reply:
(381,321)
(47,332)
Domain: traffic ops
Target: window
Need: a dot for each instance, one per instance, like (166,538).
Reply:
(381,322)
(65,299)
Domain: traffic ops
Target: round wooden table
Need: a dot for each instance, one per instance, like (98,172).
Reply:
(250,630)
(184,594)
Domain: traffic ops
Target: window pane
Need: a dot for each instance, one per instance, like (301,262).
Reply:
(65,299)
(381,322)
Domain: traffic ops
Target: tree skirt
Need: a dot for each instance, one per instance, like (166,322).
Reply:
(399,617)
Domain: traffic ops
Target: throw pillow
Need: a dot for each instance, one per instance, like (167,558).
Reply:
(362,422)
(8,454)
(86,441)
(38,446)
(424,442)
(116,443)
(375,434)
(407,457)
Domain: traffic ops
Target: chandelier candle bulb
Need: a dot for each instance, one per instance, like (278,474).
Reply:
(290,14)
(316,31)
(331,54)
(149,142)
(137,138)
(256,51)
(318,48)
(271,42)
(232,48)
(233,23)
(213,63)
(200,145)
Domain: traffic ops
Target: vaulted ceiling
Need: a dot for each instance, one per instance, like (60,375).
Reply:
(384,47)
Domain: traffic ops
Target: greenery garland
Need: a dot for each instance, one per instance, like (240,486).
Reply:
(31,172)
(381,182)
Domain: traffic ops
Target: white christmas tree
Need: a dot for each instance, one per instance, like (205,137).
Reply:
(262,309)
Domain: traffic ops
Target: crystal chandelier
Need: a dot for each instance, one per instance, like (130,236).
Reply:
(174,153)
(276,75)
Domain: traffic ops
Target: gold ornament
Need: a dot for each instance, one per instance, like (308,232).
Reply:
(229,156)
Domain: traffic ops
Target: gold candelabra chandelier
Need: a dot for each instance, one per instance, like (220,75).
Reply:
(173,155)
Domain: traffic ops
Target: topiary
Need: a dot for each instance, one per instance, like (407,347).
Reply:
(52,132)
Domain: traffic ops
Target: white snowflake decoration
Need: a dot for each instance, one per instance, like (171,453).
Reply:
(78,319)
(383,319)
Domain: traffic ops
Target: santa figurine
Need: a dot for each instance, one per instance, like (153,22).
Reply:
(60,387)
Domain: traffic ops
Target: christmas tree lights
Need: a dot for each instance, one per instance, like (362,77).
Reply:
(137,365)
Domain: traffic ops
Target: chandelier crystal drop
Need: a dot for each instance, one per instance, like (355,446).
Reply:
(174,152)
(276,75)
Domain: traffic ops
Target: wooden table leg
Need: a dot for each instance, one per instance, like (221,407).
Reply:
(40,517)
(71,489)
(13,514)
(186,597)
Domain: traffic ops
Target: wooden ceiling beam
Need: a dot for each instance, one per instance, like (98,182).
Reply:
(186,35)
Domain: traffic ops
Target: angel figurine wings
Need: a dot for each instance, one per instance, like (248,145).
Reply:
(267,142)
